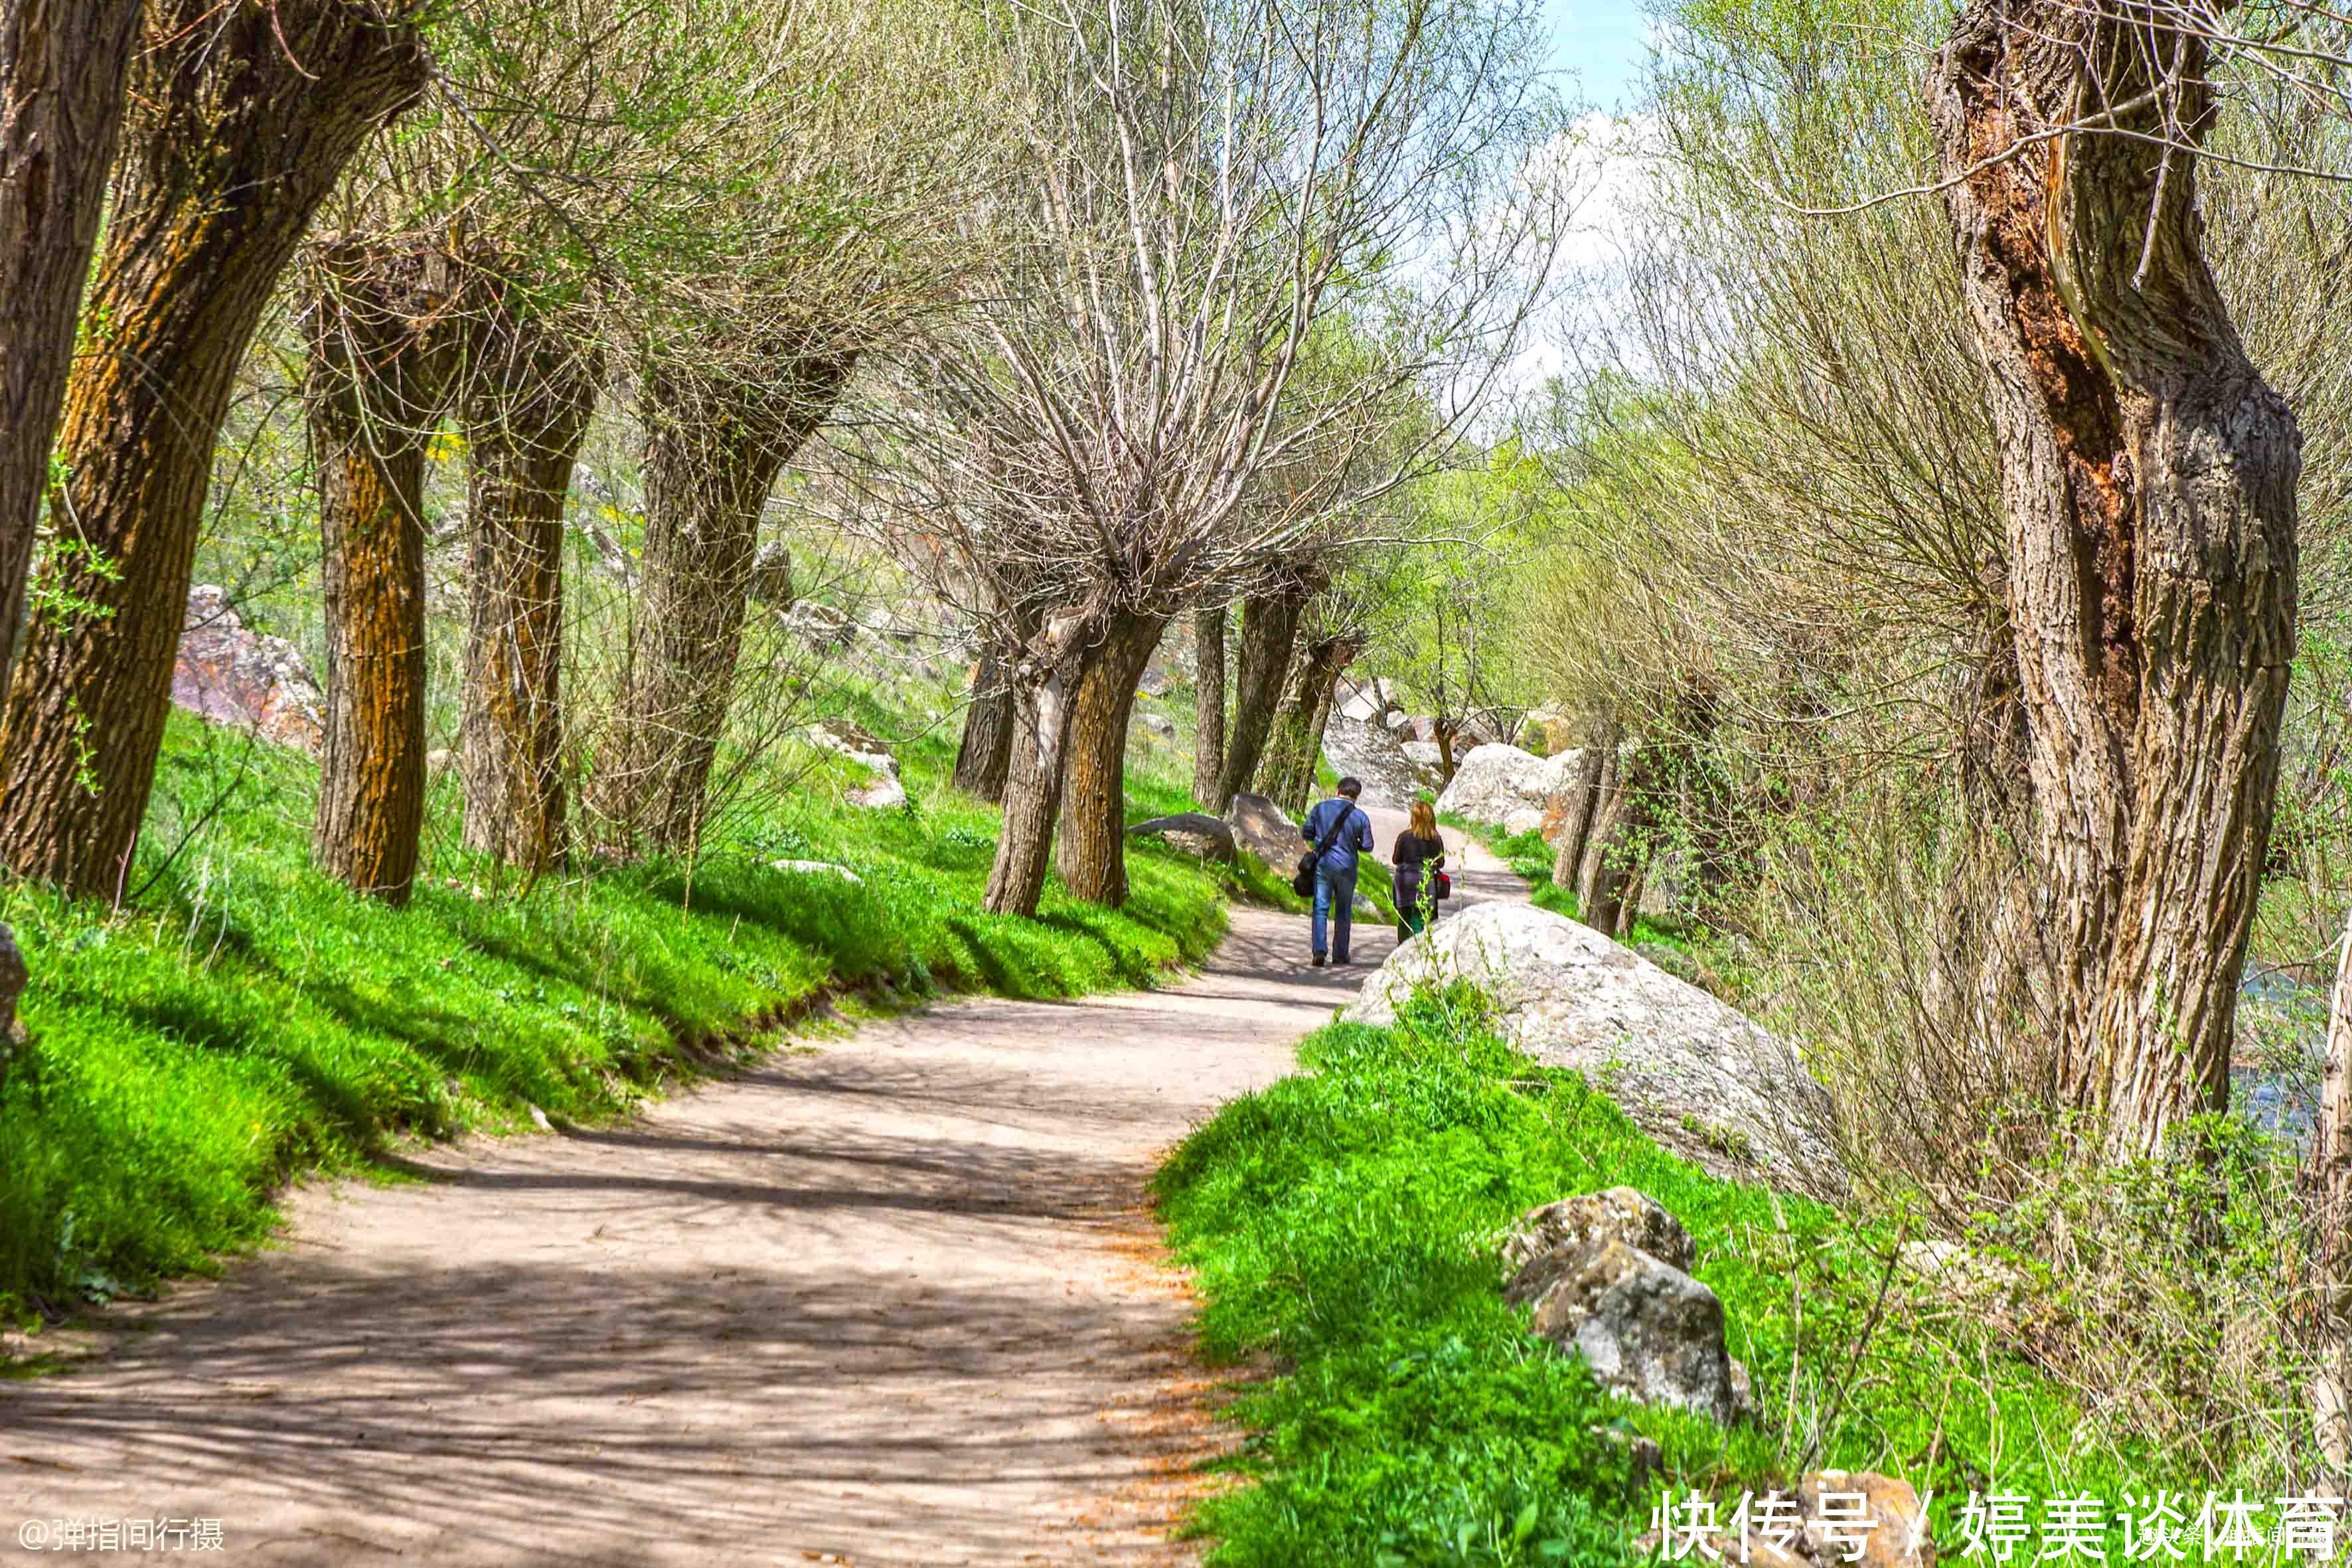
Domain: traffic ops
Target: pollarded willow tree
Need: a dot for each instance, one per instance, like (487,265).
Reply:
(574,165)
(1202,189)
(242,116)
(845,227)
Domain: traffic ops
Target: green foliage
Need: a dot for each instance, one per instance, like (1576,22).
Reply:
(244,1019)
(1345,1222)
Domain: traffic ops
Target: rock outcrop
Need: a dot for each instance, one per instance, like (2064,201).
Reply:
(1193,832)
(1697,1075)
(231,675)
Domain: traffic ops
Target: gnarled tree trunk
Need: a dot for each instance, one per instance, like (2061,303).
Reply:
(382,344)
(986,750)
(2148,477)
(1093,829)
(713,453)
(1287,773)
(241,116)
(61,68)
(1269,632)
(1044,681)
(1208,704)
(528,392)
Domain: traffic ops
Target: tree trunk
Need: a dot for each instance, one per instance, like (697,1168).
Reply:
(1043,681)
(1269,630)
(62,64)
(2148,477)
(987,748)
(240,118)
(712,456)
(2329,1186)
(1602,875)
(1093,830)
(529,391)
(1208,704)
(380,347)
(1576,829)
(1287,772)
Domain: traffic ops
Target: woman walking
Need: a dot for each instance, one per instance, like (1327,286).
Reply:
(1417,853)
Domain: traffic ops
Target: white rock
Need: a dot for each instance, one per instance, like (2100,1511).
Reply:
(817,869)
(885,793)
(1697,1075)
(850,740)
(1492,780)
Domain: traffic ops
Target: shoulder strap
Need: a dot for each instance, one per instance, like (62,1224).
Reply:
(1331,833)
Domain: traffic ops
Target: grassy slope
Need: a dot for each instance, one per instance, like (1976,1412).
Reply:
(1347,1221)
(244,1019)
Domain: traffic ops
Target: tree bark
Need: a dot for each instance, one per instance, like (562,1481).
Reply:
(2148,477)
(241,116)
(1093,829)
(62,64)
(2328,1183)
(986,751)
(1269,631)
(529,393)
(713,453)
(1291,752)
(1576,829)
(1601,877)
(1208,704)
(1043,681)
(382,344)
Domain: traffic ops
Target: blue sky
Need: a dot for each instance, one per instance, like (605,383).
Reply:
(1602,42)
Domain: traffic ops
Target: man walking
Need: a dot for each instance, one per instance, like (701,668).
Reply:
(1336,832)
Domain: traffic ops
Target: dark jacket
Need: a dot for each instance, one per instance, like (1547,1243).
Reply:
(1353,838)
(1410,852)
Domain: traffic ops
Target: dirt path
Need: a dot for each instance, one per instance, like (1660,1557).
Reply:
(894,1301)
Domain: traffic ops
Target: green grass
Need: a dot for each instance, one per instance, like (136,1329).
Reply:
(244,1019)
(1344,1225)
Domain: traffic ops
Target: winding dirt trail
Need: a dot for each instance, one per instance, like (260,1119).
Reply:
(896,1300)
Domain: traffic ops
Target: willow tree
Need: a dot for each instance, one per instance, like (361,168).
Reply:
(2148,477)
(845,226)
(61,70)
(382,325)
(241,117)
(1200,190)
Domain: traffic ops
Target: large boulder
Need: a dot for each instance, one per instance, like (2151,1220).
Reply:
(1645,1328)
(1492,782)
(1519,790)
(1193,832)
(1693,1073)
(1265,830)
(231,675)
(1370,751)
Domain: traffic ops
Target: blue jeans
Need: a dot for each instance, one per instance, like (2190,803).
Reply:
(1335,900)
